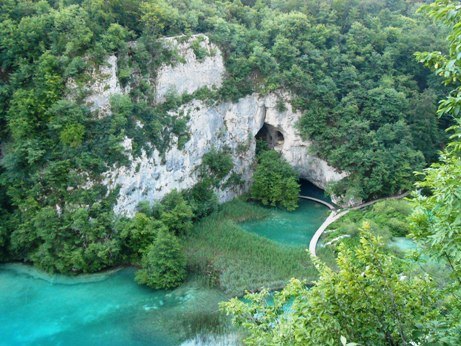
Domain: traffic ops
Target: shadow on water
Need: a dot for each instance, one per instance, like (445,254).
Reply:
(310,190)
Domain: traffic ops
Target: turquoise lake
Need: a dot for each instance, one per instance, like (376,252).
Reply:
(111,309)
(294,228)
(403,244)
(101,309)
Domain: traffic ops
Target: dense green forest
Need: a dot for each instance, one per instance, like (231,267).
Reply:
(375,296)
(367,105)
(370,105)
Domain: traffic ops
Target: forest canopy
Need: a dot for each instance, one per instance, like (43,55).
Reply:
(368,106)
(350,304)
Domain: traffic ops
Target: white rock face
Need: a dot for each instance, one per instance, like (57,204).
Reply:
(104,86)
(193,74)
(228,125)
(151,178)
(294,149)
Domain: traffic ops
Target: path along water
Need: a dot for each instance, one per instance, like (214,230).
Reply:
(337,214)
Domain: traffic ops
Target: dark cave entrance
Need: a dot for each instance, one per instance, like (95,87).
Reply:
(271,135)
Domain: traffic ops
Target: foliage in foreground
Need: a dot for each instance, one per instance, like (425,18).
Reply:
(237,260)
(386,219)
(275,182)
(371,300)
(436,221)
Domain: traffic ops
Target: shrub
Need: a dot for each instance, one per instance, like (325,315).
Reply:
(163,263)
(216,165)
(138,233)
(202,199)
(275,182)
(175,213)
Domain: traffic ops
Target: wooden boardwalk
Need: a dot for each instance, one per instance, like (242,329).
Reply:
(328,205)
(336,214)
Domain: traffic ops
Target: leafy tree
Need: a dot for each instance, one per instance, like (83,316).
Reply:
(138,233)
(163,263)
(436,226)
(175,213)
(202,199)
(371,300)
(275,182)
(436,221)
(159,17)
(73,135)
(437,218)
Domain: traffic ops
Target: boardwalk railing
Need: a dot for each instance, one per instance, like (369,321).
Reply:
(328,205)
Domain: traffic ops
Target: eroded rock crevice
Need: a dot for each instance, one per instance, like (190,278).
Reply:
(271,135)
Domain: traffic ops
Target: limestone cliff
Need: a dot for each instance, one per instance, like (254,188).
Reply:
(193,73)
(233,126)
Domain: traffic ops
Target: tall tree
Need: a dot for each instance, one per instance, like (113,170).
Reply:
(163,263)
(275,182)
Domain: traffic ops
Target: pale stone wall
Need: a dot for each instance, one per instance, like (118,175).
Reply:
(227,125)
(192,74)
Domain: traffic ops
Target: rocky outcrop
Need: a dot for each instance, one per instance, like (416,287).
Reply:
(104,83)
(152,177)
(193,72)
(233,126)
(293,148)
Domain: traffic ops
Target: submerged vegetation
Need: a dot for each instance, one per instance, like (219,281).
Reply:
(237,260)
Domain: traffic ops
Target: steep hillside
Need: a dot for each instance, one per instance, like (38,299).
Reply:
(108,104)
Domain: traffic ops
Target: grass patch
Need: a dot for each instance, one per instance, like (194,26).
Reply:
(236,260)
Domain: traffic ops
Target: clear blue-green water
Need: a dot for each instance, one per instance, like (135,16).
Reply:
(294,228)
(111,309)
(100,309)
(403,243)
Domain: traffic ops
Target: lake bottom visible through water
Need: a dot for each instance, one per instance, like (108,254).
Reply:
(294,228)
(100,309)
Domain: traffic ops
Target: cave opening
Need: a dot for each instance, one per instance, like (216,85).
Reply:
(271,135)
